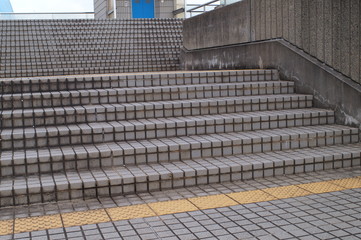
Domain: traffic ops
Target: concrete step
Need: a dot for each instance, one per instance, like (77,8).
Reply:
(93,36)
(163,58)
(101,34)
(29,26)
(129,43)
(123,180)
(32,25)
(9,54)
(115,131)
(142,94)
(157,109)
(11,59)
(156,66)
(59,83)
(76,34)
(148,151)
(95,25)
(110,48)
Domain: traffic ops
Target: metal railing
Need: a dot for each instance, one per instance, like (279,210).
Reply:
(46,15)
(201,8)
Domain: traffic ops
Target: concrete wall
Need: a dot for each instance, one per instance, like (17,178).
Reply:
(326,29)
(329,88)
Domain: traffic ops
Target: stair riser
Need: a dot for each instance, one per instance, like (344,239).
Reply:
(104,38)
(150,110)
(126,43)
(11,59)
(114,155)
(140,62)
(121,46)
(63,34)
(120,81)
(63,30)
(115,187)
(66,53)
(142,95)
(49,51)
(119,132)
(155,66)
(78,29)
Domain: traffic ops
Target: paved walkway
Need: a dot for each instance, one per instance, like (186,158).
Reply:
(322,205)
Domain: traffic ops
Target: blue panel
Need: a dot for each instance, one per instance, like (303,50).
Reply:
(143,8)
(5,6)
(148,10)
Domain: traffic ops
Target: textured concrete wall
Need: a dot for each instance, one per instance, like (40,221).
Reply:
(326,29)
(227,25)
(329,88)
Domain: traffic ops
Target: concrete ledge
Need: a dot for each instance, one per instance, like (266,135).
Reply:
(330,88)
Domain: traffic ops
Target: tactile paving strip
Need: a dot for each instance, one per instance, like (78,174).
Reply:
(130,212)
(348,182)
(86,217)
(37,223)
(171,207)
(80,218)
(214,201)
(6,227)
(321,187)
(251,196)
(287,192)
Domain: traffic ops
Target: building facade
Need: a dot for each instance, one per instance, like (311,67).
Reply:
(125,9)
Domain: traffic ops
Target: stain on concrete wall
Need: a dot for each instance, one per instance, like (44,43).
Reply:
(326,29)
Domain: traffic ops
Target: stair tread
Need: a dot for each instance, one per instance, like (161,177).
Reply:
(179,169)
(18,132)
(145,74)
(175,143)
(10,113)
(158,89)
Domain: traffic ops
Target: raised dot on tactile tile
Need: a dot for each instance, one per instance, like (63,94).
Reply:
(83,218)
(130,212)
(171,207)
(37,223)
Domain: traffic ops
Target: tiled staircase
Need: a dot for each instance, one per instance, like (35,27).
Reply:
(83,136)
(64,47)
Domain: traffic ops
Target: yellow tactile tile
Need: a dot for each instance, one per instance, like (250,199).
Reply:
(130,212)
(321,187)
(251,196)
(287,191)
(37,223)
(348,183)
(214,201)
(6,227)
(86,217)
(171,207)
